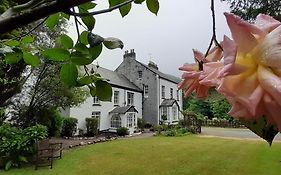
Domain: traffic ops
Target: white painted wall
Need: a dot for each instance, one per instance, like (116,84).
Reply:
(85,110)
(169,85)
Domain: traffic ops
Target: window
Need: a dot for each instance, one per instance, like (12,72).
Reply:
(130,120)
(140,74)
(96,100)
(130,99)
(115,121)
(164,113)
(171,93)
(145,90)
(116,97)
(178,95)
(96,114)
(163,91)
(175,113)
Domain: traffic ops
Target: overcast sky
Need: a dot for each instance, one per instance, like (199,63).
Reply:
(166,39)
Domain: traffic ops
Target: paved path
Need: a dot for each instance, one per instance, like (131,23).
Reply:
(232,133)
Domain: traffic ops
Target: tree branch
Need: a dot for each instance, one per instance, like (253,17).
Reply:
(69,12)
(214,37)
(9,23)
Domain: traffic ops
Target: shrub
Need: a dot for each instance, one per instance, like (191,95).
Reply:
(148,125)
(80,131)
(122,131)
(141,123)
(69,126)
(17,144)
(171,132)
(92,126)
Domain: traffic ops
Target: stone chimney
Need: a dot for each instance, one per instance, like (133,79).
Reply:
(129,55)
(152,65)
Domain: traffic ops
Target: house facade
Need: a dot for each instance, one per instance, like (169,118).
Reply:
(157,89)
(123,109)
(139,91)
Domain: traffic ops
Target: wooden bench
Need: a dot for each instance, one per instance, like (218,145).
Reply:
(46,151)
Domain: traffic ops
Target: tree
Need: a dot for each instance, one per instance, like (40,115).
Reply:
(249,9)
(68,54)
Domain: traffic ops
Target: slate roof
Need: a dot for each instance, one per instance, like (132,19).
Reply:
(116,79)
(168,102)
(162,75)
(123,109)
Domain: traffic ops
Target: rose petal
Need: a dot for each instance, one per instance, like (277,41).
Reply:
(269,51)
(242,32)
(198,55)
(273,109)
(270,82)
(266,23)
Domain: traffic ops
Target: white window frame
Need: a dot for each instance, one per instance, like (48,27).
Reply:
(130,120)
(96,100)
(116,98)
(174,112)
(145,91)
(163,91)
(130,98)
(115,121)
(171,93)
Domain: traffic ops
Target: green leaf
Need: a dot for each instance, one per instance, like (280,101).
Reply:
(52,20)
(79,58)
(262,129)
(81,48)
(113,43)
(66,16)
(30,59)
(69,74)
(89,21)
(23,159)
(56,54)
(8,165)
(92,91)
(139,1)
(12,43)
(87,6)
(153,6)
(27,39)
(84,37)
(124,10)
(95,51)
(86,80)
(94,39)
(64,41)
(103,90)
(14,57)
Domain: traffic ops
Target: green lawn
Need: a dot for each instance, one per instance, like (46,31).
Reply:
(189,155)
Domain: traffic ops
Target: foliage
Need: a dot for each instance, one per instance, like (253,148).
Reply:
(16,144)
(199,106)
(248,9)
(141,123)
(176,131)
(69,126)
(122,131)
(92,126)
(220,109)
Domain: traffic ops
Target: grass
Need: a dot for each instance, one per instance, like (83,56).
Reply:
(189,155)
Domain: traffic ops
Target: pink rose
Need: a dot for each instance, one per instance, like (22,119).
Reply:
(251,76)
